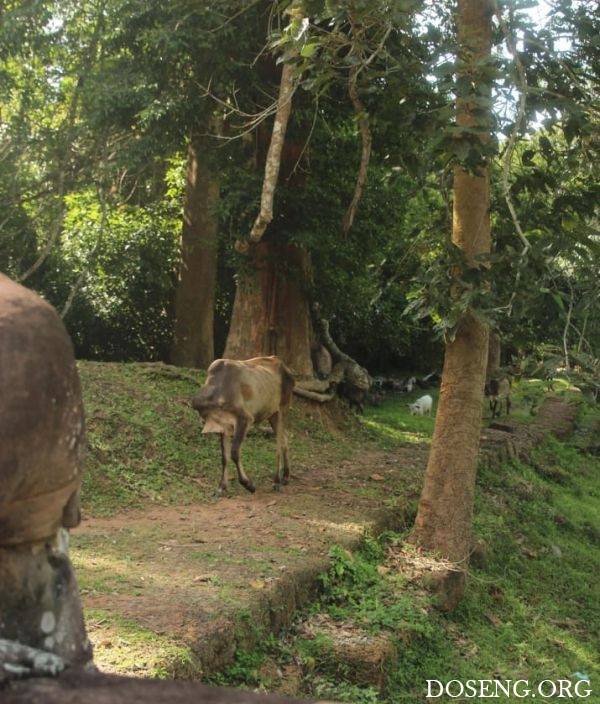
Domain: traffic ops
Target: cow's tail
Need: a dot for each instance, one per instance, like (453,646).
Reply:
(287,385)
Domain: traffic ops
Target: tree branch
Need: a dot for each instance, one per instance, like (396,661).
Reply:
(510,147)
(287,87)
(365,134)
(365,156)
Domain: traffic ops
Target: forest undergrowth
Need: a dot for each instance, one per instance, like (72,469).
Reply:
(530,619)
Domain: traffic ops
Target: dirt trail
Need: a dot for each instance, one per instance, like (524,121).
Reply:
(213,577)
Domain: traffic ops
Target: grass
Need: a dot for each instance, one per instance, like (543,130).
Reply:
(532,610)
(142,438)
(161,654)
(531,613)
(145,443)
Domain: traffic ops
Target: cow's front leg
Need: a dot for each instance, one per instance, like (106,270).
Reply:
(241,426)
(225,457)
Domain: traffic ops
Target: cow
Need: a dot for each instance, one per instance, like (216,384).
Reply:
(236,395)
(498,390)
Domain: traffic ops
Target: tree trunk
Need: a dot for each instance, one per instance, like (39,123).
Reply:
(193,344)
(271,312)
(444,519)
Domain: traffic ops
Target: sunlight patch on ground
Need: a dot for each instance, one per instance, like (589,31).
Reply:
(348,528)
(397,434)
(108,573)
(122,646)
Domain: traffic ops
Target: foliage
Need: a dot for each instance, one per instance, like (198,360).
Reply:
(124,263)
(99,101)
(549,363)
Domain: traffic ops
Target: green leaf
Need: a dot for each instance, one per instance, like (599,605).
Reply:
(309,49)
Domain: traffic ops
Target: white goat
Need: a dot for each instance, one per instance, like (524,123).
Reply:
(421,406)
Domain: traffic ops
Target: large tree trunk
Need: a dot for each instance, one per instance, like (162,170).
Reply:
(444,519)
(193,344)
(271,312)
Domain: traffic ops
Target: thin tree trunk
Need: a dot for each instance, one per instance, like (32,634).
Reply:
(365,154)
(193,344)
(494,355)
(445,514)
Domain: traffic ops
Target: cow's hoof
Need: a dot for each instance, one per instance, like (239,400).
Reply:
(276,487)
(249,486)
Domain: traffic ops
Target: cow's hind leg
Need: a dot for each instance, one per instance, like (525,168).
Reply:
(282,469)
(225,457)
(241,426)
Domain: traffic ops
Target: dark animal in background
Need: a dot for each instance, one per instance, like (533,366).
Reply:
(238,394)
(498,391)
(355,396)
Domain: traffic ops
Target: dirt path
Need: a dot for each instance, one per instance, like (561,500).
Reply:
(211,578)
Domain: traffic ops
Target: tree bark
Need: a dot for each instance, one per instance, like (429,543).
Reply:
(270,312)
(193,344)
(444,518)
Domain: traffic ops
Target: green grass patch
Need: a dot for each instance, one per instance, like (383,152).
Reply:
(391,423)
(143,438)
(134,649)
(145,442)
(531,613)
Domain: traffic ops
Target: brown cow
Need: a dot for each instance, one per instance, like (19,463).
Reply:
(238,394)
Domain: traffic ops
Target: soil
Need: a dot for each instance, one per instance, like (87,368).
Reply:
(212,577)
(208,579)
